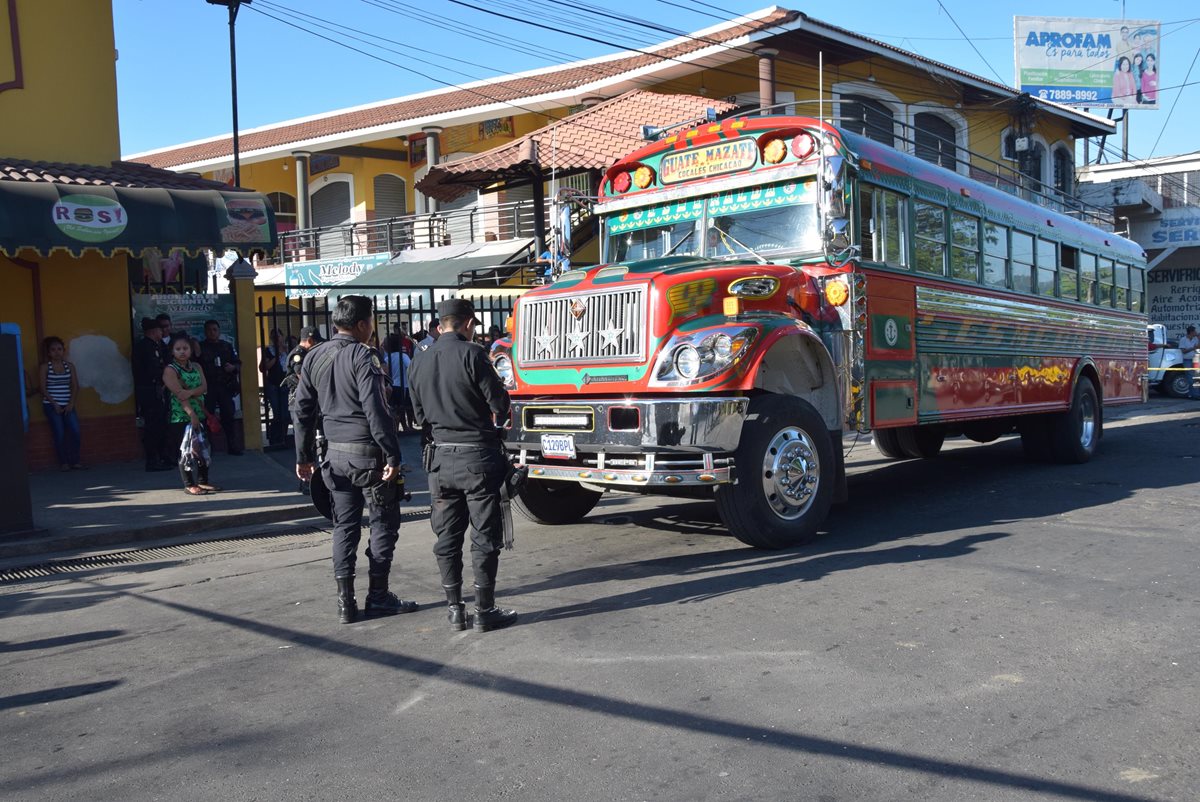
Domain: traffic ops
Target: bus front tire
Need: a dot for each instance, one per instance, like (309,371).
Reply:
(785,475)
(554,503)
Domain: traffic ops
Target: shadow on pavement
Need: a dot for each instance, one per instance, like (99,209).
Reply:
(56,694)
(61,640)
(588,702)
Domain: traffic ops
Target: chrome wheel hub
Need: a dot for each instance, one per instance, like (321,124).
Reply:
(791,473)
(1087,422)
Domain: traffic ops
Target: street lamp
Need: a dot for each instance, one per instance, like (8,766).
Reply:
(233,6)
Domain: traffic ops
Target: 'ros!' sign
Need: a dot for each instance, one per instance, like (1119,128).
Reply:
(723,157)
(89,218)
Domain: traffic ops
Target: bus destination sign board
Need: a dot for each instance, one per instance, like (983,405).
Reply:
(703,162)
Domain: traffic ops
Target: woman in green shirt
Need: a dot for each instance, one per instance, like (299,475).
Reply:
(184,379)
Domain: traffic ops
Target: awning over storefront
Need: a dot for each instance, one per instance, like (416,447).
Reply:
(408,270)
(125,208)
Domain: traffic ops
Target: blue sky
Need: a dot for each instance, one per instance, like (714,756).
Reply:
(173,70)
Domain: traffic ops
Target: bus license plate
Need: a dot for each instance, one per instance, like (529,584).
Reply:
(561,446)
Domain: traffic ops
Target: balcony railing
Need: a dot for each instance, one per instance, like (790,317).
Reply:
(458,226)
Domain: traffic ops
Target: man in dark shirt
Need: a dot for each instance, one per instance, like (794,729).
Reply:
(221,371)
(456,393)
(147,362)
(310,338)
(343,386)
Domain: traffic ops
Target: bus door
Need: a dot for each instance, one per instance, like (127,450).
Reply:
(890,353)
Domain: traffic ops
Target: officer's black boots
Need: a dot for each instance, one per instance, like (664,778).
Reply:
(487,615)
(457,614)
(347,607)
(381,602)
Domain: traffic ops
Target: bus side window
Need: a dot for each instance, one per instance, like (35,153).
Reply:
(1107,275)
(895,229)
(1121,295)
(995,255)
(866,223)
(930,245)
(1047,267)
(964,247)
(1087,277)
(1022,261)
(1137,285)
(1068,273)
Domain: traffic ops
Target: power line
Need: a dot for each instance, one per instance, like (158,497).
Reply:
(1174,103)
(969,41)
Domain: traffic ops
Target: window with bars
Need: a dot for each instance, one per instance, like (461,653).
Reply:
(285,210)
(868,117)
(935,140)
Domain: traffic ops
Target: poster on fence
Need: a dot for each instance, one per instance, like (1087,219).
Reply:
(1094,63)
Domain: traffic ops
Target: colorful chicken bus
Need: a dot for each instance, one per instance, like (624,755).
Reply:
(770,284)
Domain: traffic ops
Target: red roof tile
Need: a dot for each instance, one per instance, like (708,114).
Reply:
(588,140)
(118,174)
(513,90)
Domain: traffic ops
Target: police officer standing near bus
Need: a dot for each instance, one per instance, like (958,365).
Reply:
(457,394)
(343,387)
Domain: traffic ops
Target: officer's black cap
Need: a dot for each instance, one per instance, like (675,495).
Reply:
(149,323)
(459,308)
(310,333)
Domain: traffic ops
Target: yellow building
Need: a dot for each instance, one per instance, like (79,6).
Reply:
(83,233)
(346,171)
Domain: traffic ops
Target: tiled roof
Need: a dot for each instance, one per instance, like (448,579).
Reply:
(118,174)
(588,140)
(514,90)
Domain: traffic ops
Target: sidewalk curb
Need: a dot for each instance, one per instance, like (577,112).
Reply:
(38,547)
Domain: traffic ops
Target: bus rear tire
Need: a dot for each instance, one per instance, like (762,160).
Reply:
(1075,434)
(554,503)
(921,442)
(888,444)
(786,475)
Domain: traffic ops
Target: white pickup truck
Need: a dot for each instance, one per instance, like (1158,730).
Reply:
(1163,354)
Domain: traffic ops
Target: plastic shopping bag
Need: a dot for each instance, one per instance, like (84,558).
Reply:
(194,451)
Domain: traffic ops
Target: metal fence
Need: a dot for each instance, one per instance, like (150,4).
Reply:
(409,310)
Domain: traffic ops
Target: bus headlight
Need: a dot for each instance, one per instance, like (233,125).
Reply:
(504,369)
(698,356)
(687,361)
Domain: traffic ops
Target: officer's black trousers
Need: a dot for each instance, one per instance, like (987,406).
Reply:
(340,473)
(152,408)
(219,401)
(464,489)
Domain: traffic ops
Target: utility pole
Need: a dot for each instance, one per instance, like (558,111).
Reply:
(233,6)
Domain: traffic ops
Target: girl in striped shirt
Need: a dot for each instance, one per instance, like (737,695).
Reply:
(60,389)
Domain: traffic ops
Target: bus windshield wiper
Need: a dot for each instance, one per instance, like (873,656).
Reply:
(677,244)
(761,260)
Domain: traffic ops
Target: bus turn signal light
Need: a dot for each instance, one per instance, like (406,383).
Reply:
(836,292)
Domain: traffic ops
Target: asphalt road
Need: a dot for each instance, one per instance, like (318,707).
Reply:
(972,628)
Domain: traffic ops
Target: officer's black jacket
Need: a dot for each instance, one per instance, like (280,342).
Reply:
(209,351)
(349,393)
(292,364)
(454,388)
(147,363)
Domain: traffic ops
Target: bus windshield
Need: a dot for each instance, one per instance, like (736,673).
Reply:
(778,219)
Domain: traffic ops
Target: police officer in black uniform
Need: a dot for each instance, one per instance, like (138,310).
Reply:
(148,394)
(222,369)
(456,393)
(343,384)
(310,338)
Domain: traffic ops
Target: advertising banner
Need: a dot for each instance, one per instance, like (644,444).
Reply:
(1095,63)
(188,312)
(304,278)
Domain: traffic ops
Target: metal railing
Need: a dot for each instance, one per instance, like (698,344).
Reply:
(478,224)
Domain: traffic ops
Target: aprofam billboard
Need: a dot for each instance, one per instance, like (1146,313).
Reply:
(1095,63)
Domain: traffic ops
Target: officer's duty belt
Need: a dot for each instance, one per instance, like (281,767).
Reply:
(358,449)
(468,446)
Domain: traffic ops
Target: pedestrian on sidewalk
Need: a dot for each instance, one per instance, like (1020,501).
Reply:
(456,391)
(271,366)
(343,388)
(60,390)
(398,362)
(148,358)
(222,369)
(187,385)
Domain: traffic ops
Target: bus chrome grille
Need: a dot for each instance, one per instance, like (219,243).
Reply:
(595,326)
